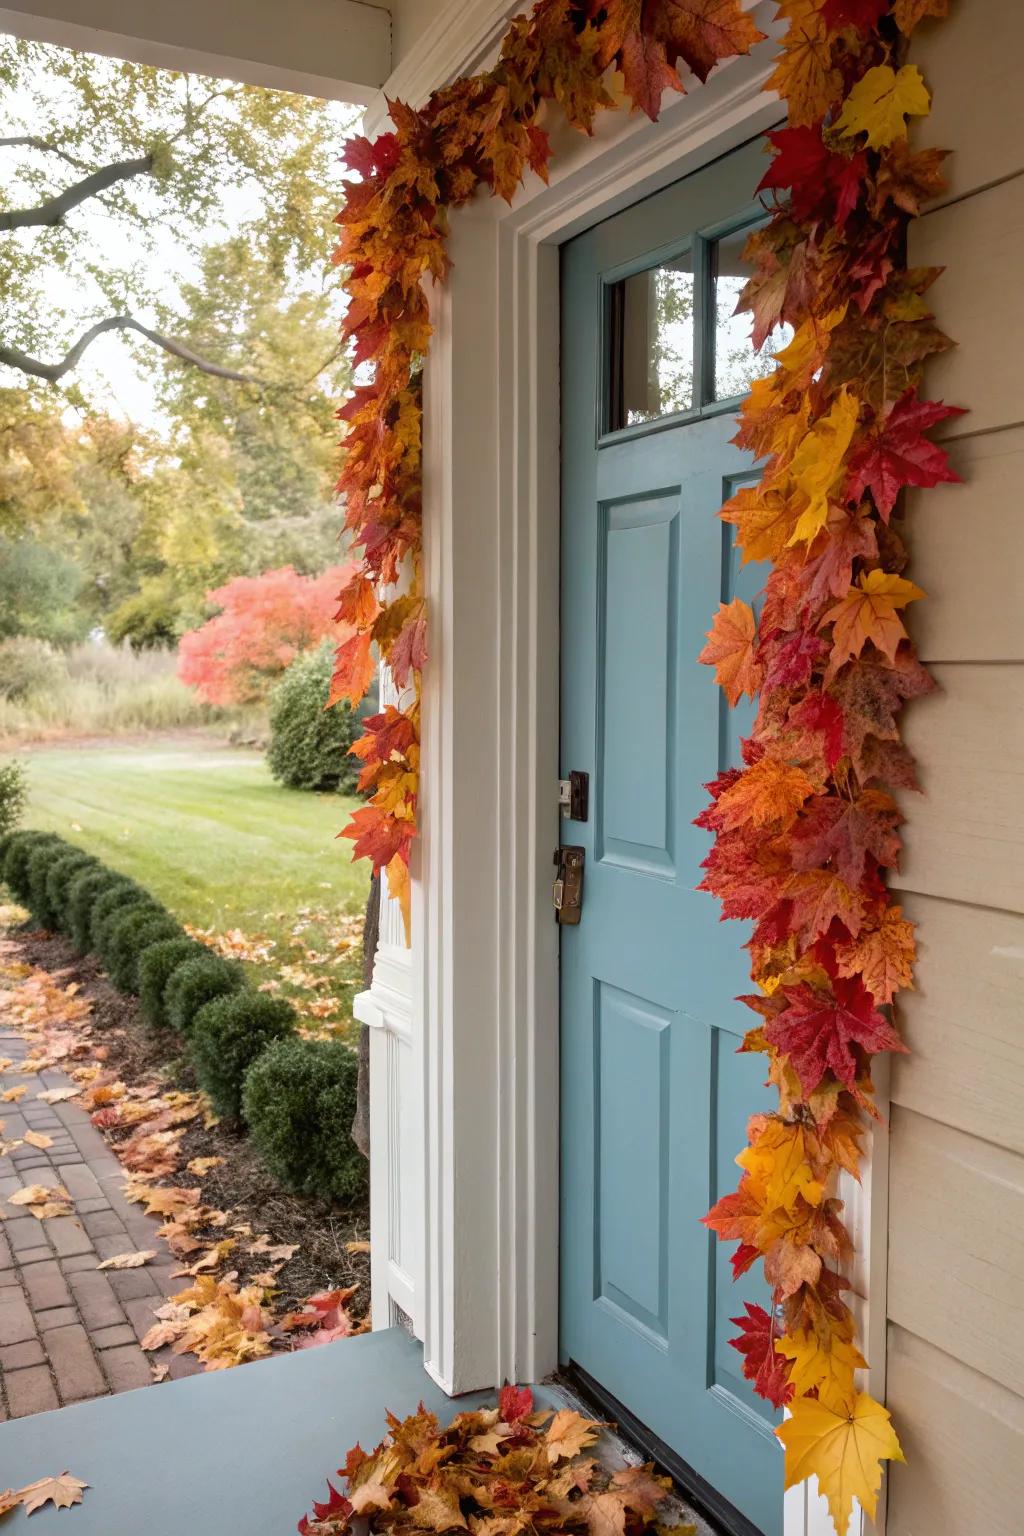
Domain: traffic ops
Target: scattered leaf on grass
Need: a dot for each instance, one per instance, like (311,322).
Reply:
(129,1260)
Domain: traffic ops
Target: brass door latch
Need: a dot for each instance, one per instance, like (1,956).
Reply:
(567,891)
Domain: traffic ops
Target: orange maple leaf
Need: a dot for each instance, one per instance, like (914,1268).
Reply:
(882,955)
(869,612)
(770,791)
(730,650)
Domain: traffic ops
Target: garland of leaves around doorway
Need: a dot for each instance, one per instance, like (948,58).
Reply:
(806,828)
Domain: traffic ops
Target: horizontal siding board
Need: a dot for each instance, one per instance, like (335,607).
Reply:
(967,552)
(970,61)
(956,1244)
(977,301)
(963,1437)
(965,834)
(963,1021)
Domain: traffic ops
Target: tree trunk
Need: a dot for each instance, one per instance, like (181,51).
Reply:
(371,933)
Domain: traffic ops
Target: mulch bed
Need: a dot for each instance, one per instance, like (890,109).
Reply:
(240,1184)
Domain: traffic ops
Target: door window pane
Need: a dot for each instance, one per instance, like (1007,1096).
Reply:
(737,365)
(652,344)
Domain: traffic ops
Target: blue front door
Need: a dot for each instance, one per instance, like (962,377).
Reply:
(654,1097)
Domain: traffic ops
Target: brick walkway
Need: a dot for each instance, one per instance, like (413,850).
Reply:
(68,1330)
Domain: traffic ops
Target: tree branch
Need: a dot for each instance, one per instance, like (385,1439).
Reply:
(33,141)
(14,358)
(54,209)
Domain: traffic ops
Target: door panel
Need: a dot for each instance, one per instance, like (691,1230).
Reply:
(655,1097)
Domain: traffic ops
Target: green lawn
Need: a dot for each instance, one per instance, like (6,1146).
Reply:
(218,842)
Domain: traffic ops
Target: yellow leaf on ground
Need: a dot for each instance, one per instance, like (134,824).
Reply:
(48,1211)
(12,1095)
(38,1139)
(202,1165)
(62,1491)
(129,1260)
(569,1433)
(357,1247)
(843,1451)
(881,102)
(37,1194)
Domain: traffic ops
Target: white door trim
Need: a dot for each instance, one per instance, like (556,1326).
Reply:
(485,955)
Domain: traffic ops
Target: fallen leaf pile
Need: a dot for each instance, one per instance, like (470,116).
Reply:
(62,1492)
(492,1472)
(214,1317)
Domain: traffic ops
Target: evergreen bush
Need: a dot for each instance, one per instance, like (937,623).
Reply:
(84,890)
(19,850)
(59,877)
(128,932)
(299,1099)
(227,1036)
(308,742)
(40,861)
(122,893)
(13,789)
(157,963)
(195,982)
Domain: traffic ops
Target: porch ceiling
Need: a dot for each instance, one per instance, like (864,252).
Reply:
(339,49)
(242,1450)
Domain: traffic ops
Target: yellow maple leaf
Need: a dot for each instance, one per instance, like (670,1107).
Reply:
(779,1159)
(818,463)
(826,1365)
(881,102)
(568,1434)
(844,1451)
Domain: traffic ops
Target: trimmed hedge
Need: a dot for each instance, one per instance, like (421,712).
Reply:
(128,933)
(299,1100)
(196,982)
(19,851)
(157,963)
(123,893)
(228,1035)
(109,926)
(59,877)
(40,860)
(84,891)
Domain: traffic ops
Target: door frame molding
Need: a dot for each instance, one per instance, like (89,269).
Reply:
(485,953)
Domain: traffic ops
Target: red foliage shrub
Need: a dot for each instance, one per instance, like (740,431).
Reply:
(264,623)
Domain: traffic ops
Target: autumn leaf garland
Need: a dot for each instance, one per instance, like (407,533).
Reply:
(806,829)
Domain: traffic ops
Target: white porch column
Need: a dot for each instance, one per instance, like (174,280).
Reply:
(396,1163)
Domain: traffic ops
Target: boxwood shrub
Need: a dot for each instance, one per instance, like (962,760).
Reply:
(40,860)
(299,1099)
(122,893)
(198,981)
(84,890)
(59,876)
(16,859)
(157,962)
(227,1036)
(127,933)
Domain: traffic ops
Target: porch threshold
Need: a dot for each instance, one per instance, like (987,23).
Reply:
(238,1450)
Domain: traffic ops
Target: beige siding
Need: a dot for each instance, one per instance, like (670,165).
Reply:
(956,1186)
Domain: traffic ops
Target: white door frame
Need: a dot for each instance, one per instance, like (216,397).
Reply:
(485,954)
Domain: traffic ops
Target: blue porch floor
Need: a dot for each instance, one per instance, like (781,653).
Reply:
(230,1451)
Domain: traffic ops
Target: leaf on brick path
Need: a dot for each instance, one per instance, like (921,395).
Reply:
(172,1201)
(569,1433)
(14,1095)
(820,1033)
(731,650)
(55,1095)
(201,1166)
(129,1260)
(62,1492)
(37,1194)
(868,612)
(158,1369)
(7,1061)
(880,103)
(844,1451)
(167,1331)
(882,955)
(762,1364)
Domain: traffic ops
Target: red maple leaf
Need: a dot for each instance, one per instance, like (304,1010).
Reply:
(896,453)
(862,14)
(846,833)
(821,1033)
(762,1364)
(822,184)
(515,1403)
